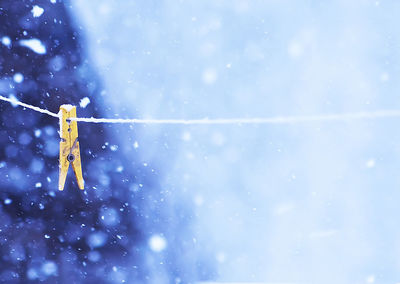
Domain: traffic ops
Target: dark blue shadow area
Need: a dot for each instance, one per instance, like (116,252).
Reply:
(98,235)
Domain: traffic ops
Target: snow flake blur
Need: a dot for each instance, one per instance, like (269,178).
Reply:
(37,11)
(6,41)
(33,44)
(84,102)
(157,243)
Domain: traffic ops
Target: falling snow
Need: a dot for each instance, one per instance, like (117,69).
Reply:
(18,78)
(157,243)
(34,44)
(181,204)
(6,41)
(37,11)
(84,102)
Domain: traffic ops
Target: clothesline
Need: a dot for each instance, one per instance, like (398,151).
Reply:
(267,120)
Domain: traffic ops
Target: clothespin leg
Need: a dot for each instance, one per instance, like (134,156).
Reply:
(77,166)
(64,149)
(64,165)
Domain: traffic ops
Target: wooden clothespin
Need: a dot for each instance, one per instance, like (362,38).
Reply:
(69,146)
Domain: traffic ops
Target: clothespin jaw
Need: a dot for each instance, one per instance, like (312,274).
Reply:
(69,146)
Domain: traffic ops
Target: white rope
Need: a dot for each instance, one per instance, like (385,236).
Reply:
(16,102)
(270,120)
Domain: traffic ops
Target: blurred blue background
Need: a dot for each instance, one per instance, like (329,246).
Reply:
(307,202)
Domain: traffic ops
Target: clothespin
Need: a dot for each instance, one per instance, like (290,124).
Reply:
(69,146)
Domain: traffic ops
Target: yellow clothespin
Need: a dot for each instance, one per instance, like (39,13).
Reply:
(69,146)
